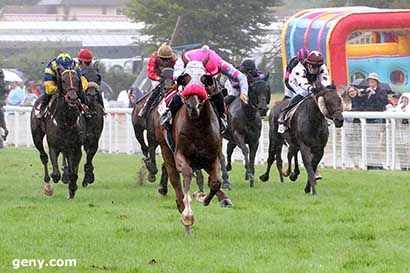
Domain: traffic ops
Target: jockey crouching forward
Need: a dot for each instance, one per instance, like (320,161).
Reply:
(52,74)
(301,55)
(214,65)
(163,58)
(248,68)
(301,79)
(90,72)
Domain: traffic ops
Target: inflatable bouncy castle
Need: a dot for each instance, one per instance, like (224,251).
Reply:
(355,41)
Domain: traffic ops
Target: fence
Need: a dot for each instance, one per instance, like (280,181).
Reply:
(356,145)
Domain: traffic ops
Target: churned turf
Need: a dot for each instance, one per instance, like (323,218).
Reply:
(360,222)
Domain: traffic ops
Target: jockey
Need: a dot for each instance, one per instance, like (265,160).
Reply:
(301,79)
(248,68)
(215,65)
(51,76)
(300,57)
(164,57)
(90,72)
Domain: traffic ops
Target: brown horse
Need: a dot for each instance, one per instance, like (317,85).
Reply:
(141,124)
(198,145)
(308,132)
(63,131)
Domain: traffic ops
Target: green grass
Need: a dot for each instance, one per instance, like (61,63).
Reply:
(358,223)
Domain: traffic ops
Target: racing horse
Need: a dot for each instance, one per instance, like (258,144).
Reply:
(245,125)
(62,130)
(308,132)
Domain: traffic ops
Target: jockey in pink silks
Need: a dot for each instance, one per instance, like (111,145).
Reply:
(213,65)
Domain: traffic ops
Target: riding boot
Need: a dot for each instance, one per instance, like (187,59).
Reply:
(148,104)
(167,125)
(43,106)
(282,115)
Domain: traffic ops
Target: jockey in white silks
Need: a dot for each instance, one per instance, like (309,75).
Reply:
(301,79)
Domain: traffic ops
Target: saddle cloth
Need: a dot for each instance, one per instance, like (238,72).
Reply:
(292,111)
(165,101)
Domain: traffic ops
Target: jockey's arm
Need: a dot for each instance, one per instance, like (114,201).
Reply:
(50,80)
(231,72)
(324,76)
(151,68)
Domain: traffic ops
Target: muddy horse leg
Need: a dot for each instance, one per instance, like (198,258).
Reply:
(54,153)
(307,161)
(229,150)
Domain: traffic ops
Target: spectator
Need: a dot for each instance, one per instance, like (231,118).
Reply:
(377,97)
(30,97)
(16,95)
(32,88)
(352,99)
(134,95)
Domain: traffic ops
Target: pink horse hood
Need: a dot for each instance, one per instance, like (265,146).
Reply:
(214,64)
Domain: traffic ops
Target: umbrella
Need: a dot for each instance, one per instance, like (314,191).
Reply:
(362,83)
(10,76)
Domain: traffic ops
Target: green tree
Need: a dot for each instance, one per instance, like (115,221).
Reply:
(234,26)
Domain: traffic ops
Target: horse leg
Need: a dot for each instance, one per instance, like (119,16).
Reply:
(73,163)
(38,136)
(226,185)
(294,175)
(183,166)
(199,180)
(229,150)
(139,134)
(90,150)
(307,161)
(173,175)
(214,183)
(289,157)
(271,158)
(151,163)
(253,148)
(317,156)
(65,177)
(240,141)
(279,162)
(55,175)
(163,190)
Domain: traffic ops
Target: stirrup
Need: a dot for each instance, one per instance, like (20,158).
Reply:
(165,118)
(223,125)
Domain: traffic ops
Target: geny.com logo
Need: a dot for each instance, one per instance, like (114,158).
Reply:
(40,263)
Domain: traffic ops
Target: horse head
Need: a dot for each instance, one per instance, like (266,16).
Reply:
(92,92)
(194,97)
(167,78)
(70,85)
(330,103)
(259,95)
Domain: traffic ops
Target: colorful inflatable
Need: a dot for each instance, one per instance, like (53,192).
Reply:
(387,52)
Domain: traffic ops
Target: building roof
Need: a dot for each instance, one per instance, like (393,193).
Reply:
(88,3)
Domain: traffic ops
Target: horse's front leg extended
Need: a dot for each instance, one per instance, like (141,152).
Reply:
(183,166)
(73,161)
(91,150)
(55,175)
(253,148)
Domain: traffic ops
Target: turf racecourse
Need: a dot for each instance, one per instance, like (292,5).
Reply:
(360,222)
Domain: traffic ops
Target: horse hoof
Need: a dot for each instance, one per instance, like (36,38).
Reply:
(84,184)
(163,191)
(200,196)
(71,195)
(88,178)
(226,203)
(152,178)
(264,177)
(228,167)
(307,190)
(48,189)
(56,177)
(318,177)
(251,183)
(293,177)
(65,178)
(226,186)
(285,174)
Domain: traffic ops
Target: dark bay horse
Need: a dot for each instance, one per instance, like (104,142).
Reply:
(308,131)
(245,125)
(92,128)
(198,145)
(141,124)
(62,130)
